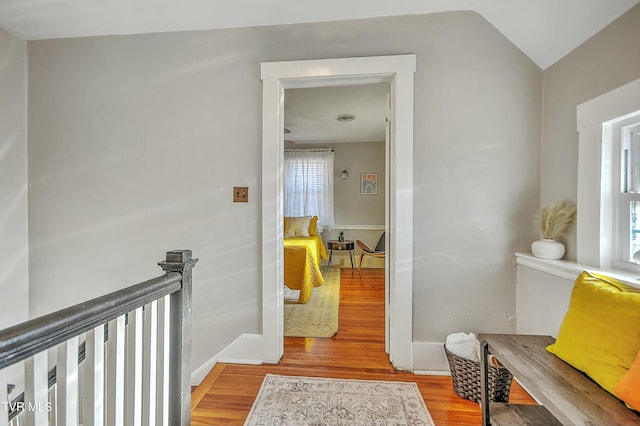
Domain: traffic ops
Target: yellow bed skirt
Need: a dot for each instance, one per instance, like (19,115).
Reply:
(302,264)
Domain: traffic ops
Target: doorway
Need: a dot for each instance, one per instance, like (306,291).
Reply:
(335,139)
(398,72)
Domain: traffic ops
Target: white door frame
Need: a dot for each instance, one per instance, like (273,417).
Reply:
(398,71)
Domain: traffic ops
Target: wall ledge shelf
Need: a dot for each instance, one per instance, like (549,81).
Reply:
(560,268)
(570,270)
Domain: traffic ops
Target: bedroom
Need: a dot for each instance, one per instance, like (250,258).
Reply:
(319,142)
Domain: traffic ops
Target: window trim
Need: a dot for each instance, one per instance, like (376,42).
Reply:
(620,200)
(594,119)
(325,159)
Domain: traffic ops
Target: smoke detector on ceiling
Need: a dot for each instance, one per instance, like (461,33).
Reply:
(345,118)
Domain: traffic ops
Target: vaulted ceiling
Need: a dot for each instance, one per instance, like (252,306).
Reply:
(545,30)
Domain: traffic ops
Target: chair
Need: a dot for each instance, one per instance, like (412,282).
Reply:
(379,251)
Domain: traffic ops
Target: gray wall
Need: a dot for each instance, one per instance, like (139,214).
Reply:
(14,274)
(136,142)
(608,60)
(352,207)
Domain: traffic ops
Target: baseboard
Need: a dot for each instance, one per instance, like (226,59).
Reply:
(431,373)
(201,372)
(245,349)
(429,358)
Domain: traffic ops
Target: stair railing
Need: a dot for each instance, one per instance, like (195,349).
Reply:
(134,367)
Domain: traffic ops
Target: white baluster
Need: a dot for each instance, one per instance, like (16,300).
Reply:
(133,369)
(115,372)
(36,390)
(150,350)
(163,361)
(66,393)
(94,378)
(81,386)
(4,399)
(53,400)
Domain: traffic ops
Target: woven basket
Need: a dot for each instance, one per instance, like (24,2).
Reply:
(466,379)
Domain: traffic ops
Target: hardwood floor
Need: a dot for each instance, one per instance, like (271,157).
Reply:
(355,352)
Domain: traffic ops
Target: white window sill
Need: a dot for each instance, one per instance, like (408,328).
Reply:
(570,270)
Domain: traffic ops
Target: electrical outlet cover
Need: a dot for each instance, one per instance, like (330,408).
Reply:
(240,194)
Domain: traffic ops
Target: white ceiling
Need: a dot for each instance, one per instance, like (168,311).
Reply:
(310,114)
(545,30)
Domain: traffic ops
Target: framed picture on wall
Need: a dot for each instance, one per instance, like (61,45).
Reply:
(368,183)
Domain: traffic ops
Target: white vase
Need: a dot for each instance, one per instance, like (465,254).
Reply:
(547,249)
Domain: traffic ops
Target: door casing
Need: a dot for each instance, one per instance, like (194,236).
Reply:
(398,71)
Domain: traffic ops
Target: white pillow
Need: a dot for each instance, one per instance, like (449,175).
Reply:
(297,227)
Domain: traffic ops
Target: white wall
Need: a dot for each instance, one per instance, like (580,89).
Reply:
(542,300)
(136,142)
(606,61)
(14,274)
(476,180)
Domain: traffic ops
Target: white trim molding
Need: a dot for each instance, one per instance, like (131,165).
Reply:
(429,358)
(397,71)
(594,176)
(570,270)
(243,350)
(559,268)
(358,227)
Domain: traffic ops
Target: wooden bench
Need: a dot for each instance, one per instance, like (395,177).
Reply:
(567,396)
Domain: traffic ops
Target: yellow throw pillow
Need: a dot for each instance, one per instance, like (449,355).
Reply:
(313,223)
(600,333)
(297,227)
(628,389)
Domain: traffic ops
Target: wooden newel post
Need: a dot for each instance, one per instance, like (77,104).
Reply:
(180,338)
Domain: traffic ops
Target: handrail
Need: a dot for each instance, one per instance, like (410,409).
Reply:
(52,378)
(29,338)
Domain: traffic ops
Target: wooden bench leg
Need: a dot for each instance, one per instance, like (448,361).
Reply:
(484,383)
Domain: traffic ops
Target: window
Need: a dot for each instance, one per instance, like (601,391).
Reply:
(626,199)
(599,171)
(308,184)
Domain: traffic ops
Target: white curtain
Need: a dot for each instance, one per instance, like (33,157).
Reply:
(308,184)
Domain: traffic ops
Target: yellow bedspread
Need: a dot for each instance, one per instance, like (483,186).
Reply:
(302,264)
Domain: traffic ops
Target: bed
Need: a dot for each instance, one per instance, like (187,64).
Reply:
(302,264)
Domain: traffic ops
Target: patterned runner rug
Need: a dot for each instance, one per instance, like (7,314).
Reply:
(319,316)
(306,401)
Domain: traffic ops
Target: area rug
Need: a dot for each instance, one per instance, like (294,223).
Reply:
(307,401)
(319,316)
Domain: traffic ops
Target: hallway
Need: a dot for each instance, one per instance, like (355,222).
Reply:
(355,352)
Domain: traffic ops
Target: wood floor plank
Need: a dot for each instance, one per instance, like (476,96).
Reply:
(355,352)
(201,391)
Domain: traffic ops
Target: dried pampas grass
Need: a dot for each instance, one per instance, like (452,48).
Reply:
(554,220)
